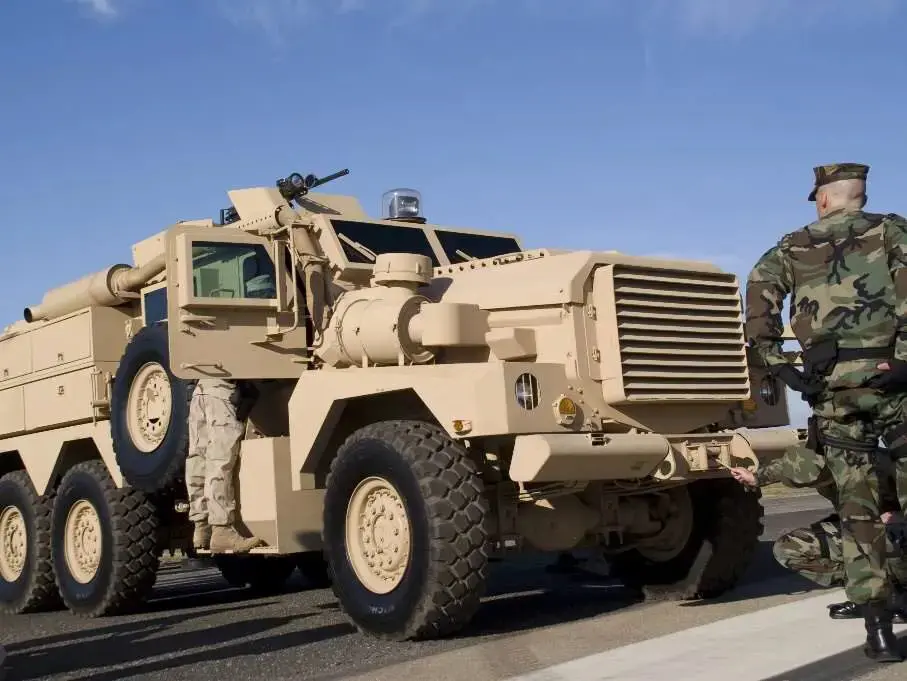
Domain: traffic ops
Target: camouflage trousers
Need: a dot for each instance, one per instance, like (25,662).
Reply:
(863,415)
(215,435)
(817,554)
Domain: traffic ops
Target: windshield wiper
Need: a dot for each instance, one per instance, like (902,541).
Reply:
(465,255)
(364,250)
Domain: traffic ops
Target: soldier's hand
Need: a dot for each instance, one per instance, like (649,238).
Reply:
(893,377)
(744,476)
(797,382)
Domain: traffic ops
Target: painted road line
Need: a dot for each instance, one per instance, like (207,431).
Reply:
(750,647)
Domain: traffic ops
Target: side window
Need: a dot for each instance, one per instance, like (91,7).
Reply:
(228,270)
(156,306)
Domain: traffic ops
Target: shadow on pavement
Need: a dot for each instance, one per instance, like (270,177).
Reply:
(765,577)
(129,645)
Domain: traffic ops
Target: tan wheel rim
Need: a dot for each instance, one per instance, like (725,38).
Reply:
(668,543)
(13,543)
(148,408)
(83,543)
(377,535)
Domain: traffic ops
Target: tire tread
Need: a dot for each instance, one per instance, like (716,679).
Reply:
(134,526)
(457,510)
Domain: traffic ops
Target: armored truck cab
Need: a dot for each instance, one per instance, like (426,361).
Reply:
(430,398)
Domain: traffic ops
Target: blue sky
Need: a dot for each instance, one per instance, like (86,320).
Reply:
(663,127)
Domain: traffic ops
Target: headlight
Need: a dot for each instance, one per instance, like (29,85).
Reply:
(526,390)
(768,391)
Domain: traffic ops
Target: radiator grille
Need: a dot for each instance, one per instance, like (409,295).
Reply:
(680,335)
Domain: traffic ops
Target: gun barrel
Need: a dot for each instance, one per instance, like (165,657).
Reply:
(329,178)
(104,289)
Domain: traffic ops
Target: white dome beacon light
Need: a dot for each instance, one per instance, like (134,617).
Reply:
(402,205)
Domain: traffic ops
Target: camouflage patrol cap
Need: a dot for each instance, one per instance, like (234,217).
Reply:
(837,171)
(801,466)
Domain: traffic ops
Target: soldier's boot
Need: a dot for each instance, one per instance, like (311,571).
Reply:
(846,610)
(201,537)
(225,539)
(881,644)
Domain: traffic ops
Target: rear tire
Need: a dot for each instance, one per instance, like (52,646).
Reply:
(149,416)
(412,560)
(26,570)
(727,524)
(104,543)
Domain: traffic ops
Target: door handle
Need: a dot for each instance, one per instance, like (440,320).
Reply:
(198,365)
(189,318)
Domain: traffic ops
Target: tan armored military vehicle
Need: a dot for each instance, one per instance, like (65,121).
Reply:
(432,398)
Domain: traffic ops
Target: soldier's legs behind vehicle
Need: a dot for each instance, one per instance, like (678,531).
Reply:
(225,432)
(195,471)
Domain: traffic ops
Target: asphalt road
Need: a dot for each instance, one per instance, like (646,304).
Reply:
(196,627)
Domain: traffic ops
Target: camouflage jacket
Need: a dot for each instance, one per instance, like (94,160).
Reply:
(846,274)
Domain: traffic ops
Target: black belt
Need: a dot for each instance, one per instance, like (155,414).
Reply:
(850,354)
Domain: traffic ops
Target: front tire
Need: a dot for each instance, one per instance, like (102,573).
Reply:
(406,531)
(104,543)
(26,571)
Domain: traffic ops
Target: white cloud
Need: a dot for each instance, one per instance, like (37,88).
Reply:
(734,18)
(695,18)
(103,8)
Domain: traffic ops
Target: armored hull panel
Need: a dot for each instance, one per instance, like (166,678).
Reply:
(56,373)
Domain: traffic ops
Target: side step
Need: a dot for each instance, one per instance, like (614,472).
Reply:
(258,550)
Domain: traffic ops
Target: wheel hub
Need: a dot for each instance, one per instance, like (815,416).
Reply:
(83,544)
(149,406)
(12,543)
(378,535)
(676,532)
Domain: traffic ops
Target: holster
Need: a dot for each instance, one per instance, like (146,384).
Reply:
(813,437)
(820,359)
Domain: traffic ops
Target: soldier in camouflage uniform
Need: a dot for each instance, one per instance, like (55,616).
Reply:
(216,428)
(815,552)
(846,274)
(217,413)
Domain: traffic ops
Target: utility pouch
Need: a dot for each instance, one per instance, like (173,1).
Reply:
(820,359)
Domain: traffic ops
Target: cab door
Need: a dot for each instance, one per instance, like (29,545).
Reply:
(227,309)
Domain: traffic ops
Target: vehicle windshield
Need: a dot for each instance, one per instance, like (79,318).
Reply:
(463,246)
(363,241)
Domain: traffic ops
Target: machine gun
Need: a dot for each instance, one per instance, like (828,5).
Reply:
(292,188)
(295,186)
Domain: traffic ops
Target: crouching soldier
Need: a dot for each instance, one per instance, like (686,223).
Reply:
(816,552)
